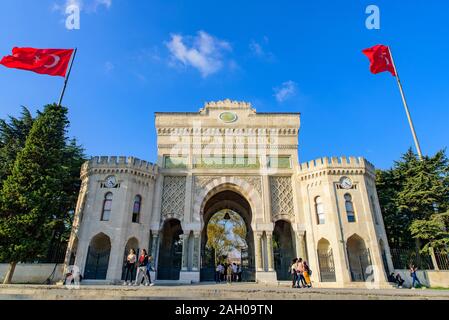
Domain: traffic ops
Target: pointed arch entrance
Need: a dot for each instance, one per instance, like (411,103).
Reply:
(170,251)
(283,249)
(98,257)
(359,258)
(218,201)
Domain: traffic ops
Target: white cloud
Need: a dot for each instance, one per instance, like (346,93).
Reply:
(203,52)
(287,90)
(258,49)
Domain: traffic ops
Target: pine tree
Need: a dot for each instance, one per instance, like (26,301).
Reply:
(412,190)
(31,195)
(13,134)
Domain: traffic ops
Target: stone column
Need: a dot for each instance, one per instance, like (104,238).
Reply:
(300,244)
(196,251)
(270,251)
(258,251)
(154,244)
(185,251)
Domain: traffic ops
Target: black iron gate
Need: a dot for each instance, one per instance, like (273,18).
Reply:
(327,267)
(96,264)
(359,261)
(170,261)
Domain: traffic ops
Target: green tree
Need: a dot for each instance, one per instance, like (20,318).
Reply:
(33,194)
(13,134)
(434,232)
(412,190)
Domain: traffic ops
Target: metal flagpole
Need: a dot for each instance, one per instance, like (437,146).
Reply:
(410,121)
(67,77)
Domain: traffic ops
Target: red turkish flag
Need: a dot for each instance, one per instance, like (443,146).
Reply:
(53,62)
(380,59)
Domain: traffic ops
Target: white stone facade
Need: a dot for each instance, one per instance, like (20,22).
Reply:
(229,156)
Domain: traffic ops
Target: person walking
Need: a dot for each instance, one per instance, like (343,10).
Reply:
(142,269)
(229,274)
(413,274)
(239,272)
(218,273)
(234,272)
(300,274)
(149,269)
(307,273)
(130,266)
(292,271)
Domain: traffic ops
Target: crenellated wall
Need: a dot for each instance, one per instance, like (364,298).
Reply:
(113,164)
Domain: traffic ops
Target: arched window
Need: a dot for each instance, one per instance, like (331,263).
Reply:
(107,207)
(319,208)
(136,209)
(349,208)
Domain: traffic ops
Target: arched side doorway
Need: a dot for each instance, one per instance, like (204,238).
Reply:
(132,243)
(234,201)
(359,258)
(326,261)
(170,251)
(283,249)
(97,261)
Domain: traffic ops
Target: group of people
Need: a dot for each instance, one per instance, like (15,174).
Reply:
(397,279)
(143,264)
(228,272)
(301,273)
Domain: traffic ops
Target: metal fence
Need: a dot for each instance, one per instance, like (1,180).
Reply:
(403,258)
(326,264)
(56,253)
(442,260)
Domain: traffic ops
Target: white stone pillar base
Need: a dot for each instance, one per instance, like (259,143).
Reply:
(269,277)
(189,276)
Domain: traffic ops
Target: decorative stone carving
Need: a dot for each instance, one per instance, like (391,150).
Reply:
(173,197)
(281,196)
(196,251)
(203,181)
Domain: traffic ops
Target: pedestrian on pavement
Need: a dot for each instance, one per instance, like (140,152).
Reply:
(292,271)
(130,266)
(307,273)
(413,274)
(229,274)
(142,269)
(300,274)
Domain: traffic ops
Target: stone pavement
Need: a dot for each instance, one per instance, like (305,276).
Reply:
(244,291)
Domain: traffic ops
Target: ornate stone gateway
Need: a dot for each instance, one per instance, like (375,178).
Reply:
(227,156)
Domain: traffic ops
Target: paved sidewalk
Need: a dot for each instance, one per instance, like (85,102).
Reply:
(211,292)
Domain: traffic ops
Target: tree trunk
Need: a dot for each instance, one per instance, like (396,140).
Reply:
(10,273)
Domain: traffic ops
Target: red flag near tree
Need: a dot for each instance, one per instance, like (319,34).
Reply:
(380,58)
(53,62)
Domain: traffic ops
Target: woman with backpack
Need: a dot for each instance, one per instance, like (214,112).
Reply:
(307,273)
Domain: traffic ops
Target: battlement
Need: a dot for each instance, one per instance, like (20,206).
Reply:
(106,162)
(337,163)
(228,104)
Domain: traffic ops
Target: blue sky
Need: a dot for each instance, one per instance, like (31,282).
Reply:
(139,57)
